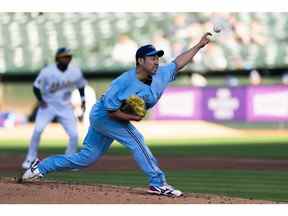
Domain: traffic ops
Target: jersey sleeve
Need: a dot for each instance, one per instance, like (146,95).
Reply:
(168,72)
(40,80)
(112,100)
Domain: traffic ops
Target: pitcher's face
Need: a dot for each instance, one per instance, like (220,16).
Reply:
(151,64)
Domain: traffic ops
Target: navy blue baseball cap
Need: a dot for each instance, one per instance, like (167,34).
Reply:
(63,51)
(148,50)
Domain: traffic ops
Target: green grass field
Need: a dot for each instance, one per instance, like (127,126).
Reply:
(266,185)
(264,147)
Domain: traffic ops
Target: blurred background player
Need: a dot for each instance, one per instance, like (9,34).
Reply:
(53,88)
(90,100)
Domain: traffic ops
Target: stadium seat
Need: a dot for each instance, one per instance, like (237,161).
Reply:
(92,36)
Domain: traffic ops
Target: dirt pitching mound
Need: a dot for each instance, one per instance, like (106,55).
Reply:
(62,193)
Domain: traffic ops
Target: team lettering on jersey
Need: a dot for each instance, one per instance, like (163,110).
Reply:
(56,86)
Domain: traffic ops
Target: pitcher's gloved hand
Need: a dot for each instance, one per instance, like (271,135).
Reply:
(134,105)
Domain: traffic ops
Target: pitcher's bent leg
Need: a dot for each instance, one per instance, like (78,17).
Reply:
(145,159)
(94,146)
(130,137)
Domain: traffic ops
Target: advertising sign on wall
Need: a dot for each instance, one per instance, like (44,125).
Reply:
(178,103)
(223,103)
(267,103)
(251,103)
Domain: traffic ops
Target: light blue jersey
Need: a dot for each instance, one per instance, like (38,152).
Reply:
(104,129)
(127,85)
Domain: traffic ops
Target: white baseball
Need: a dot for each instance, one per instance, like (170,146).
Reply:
(217,28)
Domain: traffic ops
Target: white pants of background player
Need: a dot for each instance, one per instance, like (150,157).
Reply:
(44,116)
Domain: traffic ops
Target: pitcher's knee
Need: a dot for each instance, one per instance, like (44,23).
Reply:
(86,159)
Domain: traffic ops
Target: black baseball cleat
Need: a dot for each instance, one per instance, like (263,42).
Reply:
(165,190)
(33,172)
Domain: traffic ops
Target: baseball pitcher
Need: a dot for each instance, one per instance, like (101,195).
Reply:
(126,100)
(53,88)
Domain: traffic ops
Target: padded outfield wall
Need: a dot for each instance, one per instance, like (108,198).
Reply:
(248,104)
(245,103)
